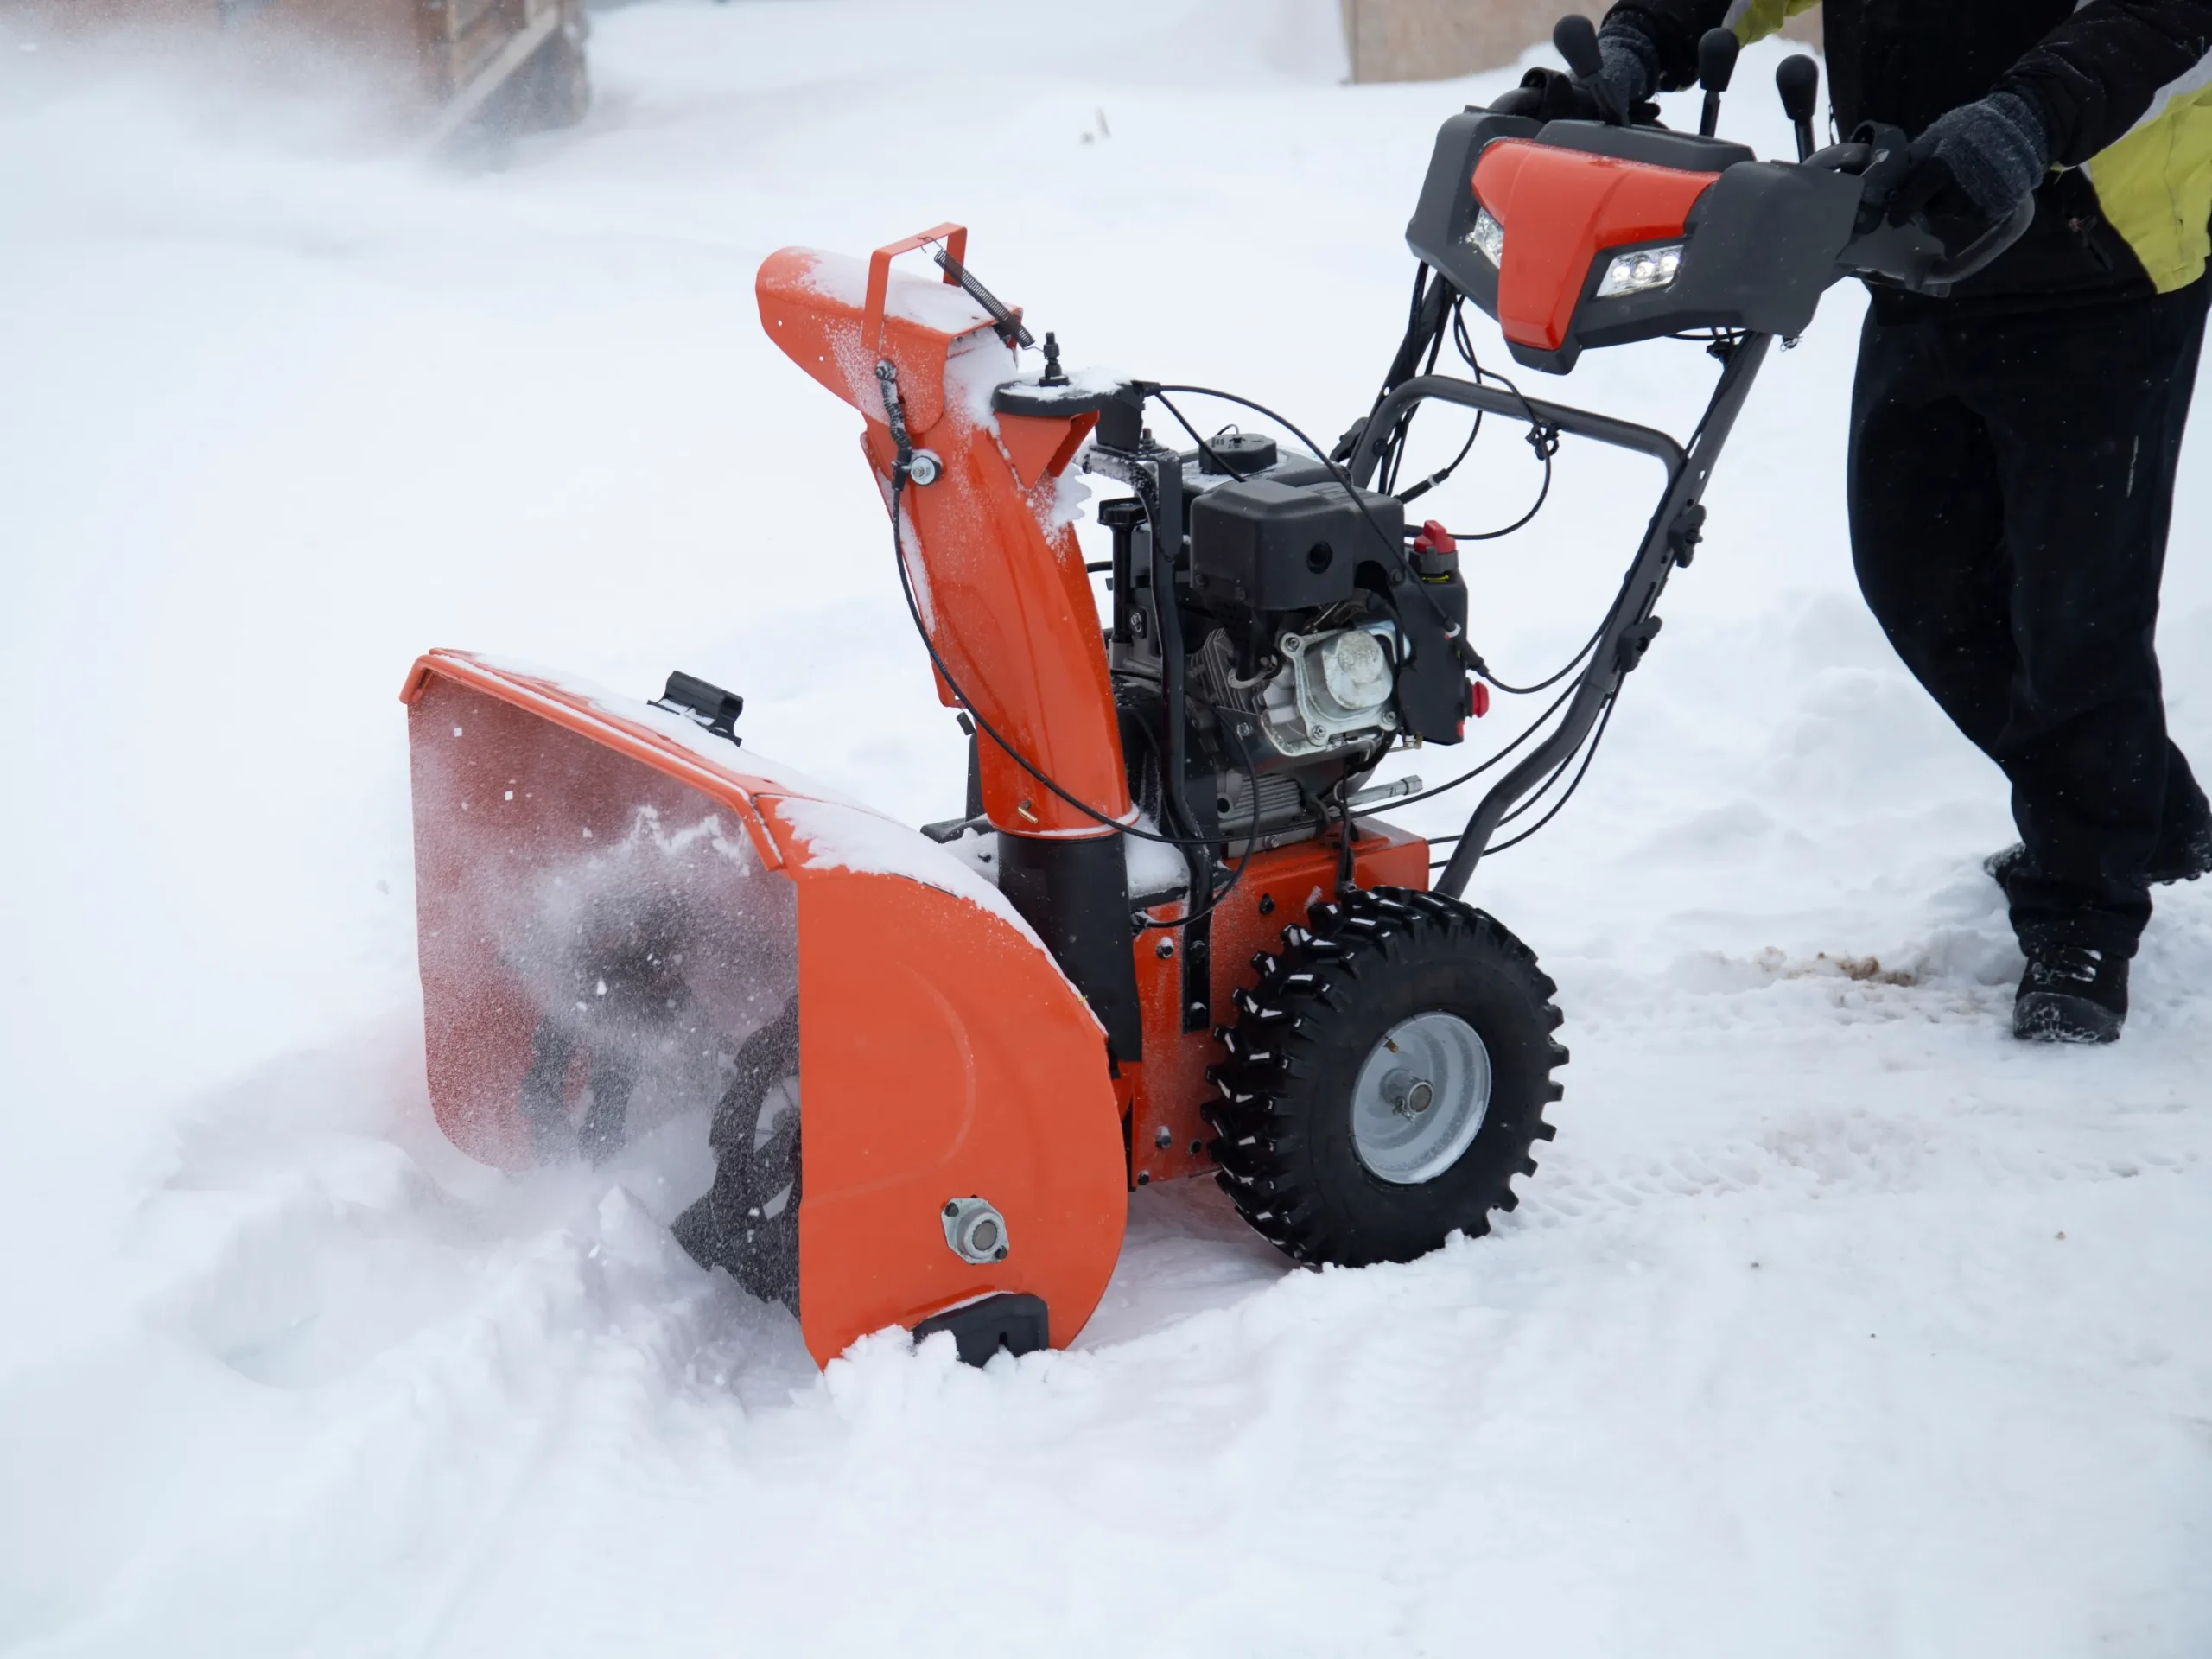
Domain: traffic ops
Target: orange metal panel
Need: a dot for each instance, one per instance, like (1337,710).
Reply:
(553,702)
(1168,1090)
(943,1056)
(1040,446)
(526,807)
(998,577)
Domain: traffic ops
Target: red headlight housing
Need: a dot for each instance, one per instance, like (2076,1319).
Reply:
(1559,209)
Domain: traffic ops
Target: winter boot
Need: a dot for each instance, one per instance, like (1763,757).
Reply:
(2071,994)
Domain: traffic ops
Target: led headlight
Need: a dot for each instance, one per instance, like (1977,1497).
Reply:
(1488,237)
(1641,271)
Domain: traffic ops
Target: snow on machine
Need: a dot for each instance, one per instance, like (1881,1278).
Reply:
(1171,933)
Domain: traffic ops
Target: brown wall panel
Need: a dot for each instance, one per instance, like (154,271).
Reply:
(1436,40)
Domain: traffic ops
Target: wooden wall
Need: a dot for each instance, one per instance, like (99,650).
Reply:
(1437,40)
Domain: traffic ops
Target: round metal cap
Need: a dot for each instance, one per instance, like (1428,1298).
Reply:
(974,1230)
(1420,1099)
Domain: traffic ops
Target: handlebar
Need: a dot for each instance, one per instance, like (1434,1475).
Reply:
(1909,255)
(1832,200)
(1985,249)
(954,238)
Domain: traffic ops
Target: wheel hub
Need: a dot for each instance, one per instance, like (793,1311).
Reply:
(1409,1096)
(1420,1099)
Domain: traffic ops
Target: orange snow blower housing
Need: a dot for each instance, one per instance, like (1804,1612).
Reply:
(621,921)
(1167,935)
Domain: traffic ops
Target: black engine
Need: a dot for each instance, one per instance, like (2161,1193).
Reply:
(1311,638)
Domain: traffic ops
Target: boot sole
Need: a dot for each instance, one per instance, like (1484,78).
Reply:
(2054,1017)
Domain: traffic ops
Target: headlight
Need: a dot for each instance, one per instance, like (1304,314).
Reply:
(1488,238)
(1641,271)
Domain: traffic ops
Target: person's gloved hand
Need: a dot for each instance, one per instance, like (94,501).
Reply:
(1972,168)
(1620,92)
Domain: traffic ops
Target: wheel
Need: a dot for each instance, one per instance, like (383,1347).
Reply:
(1387,1078)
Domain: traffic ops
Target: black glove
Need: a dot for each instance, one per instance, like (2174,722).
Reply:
(1620,92)
(1973,168)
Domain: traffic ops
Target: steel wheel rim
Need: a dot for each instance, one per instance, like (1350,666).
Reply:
(1420,1099)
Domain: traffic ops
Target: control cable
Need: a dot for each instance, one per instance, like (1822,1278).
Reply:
(1589,753)
(1114,825)
(894,409)
(1452,630)
(900,478)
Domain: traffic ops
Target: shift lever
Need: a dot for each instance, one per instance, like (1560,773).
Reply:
(1576,38)
(1798,80)
(1716,62)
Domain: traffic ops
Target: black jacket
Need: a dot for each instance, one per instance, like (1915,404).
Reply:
(2124,88)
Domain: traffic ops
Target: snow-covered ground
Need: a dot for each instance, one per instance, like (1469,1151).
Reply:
(1836,1323)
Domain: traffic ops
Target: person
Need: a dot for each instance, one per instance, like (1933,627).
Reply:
(2013,445)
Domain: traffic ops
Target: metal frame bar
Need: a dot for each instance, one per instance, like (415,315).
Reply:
(1496,400)
(1619,648)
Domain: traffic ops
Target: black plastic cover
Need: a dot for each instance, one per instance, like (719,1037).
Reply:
(1028,398)
(1014,1320)
(1237,454)
(1267,546)
(702,701)
(1653,146)
(1761,251)
(1121,417)
(1431,685)
(1074,890)
(1437,231)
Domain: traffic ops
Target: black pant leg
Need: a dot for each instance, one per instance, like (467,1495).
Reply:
(1926,526)
(2187,817)
(2085,410)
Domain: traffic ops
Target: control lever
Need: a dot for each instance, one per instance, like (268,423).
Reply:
(1576,39)
(1716,62)
(1798,80)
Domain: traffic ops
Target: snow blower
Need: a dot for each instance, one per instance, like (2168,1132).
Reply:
(1170,934)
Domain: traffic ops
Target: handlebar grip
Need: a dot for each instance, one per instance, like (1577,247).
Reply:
(1908,253)
(1910,256)
(1978,253)
(1841,158)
